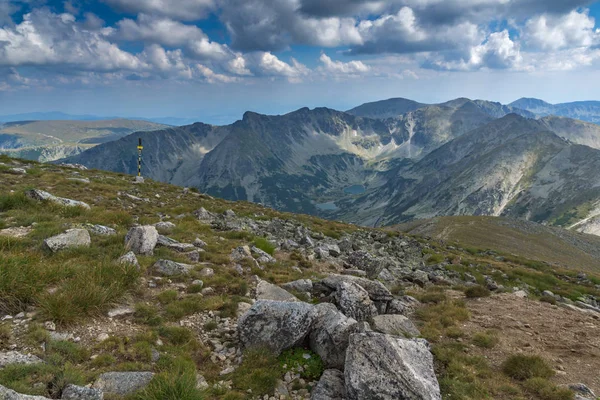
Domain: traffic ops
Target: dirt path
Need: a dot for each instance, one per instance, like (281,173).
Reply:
(568,340)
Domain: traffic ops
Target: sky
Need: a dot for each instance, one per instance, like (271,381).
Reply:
(211,60)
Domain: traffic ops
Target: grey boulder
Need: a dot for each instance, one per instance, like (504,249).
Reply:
(129,259)
(397,325)
(301,285)
(122,383)
(377,291)
(330,333)
(14,357)
(142,240)
(45,196)
(100,230)
(354,301)
(268,291)
(171,268)
(276,325)
(8,394)
(385,367)
(330,386)
(70,239)
(74,392)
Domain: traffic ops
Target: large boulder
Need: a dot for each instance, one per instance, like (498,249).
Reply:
(301,285)
(277,325)
(45,196)
(171,268)
(8,394)
(330,333)
(122,383)
(330,386)
(377,291)
(240,253)
(14,357)
(142,240)
(268,291)
(262,256)
(386,367)
(129,259)
(70,239)
(397,325)
(74,392)
(354,301)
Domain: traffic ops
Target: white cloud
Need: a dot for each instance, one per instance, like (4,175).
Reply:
(341,68)
(238,66)
(213,77)
(186,10)
(551,32)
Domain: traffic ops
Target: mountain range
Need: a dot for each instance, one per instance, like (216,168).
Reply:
(383,163)
(583,110)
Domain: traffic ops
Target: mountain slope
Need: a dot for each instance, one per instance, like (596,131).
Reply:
(386,108)
(585,110)
(511,167)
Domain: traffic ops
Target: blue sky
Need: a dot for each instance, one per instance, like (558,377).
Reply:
(214,59)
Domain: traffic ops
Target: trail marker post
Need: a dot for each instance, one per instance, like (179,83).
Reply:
(140,148)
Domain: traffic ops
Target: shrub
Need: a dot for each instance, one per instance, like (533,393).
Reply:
(487,340)
(432,297)
(522,367)
(260,370)
(264,245)
(15,201)
(545,390)
(176,335)
(177,382)
(473,292)
(168,296)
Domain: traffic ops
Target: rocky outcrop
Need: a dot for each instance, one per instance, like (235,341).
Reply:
(142,240)
(70,239)
(276,325)
(330,386)
(14,357)
(397,325)
(376,290)
(122,383)
(330,333)
(73,392)
(41,195)
(386,367)
(354,301)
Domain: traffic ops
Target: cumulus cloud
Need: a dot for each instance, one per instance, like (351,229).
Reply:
(554,32)
(185,10)
(342,68)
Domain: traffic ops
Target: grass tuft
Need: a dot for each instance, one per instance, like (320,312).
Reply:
(522,367)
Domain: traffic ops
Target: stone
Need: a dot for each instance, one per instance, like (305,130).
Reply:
(385,367)
(207,272)
(397,325)
(262,256)
(142,240)
(120,312)
(18,171)
(364,261)
(240,253)
(49,325)
(204,216)
(330,386)
(122,383)
(268,291)
(582,392)
(301,285)
(102,337)
(354,301)
(199,243)
(333,249)
(165,226)
(171,268)
(377,291)
(193,256)
(419,277)
(100,230)
(277,325)
(9,394)
(201,382)
(16,232)
(14,357)
(521,294)
(40,195)
(74,392)
(129,259)
(398,307)
(181,247)
(242,308)
(70,239)
(329,335)
(81,180)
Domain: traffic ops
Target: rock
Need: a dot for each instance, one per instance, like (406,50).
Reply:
(491,283)
(49,325)
(201,382)
(100,230)
(204,216)
(181,247)
(398,307)
(419,277)
(207,291)
(330,333)
(138,179)
(377,291)
(73,392)
(268,291)
(207,272)
(45,196)
(193,256)
(70,239)
(301,285)
(242,308)
(582,392)
(120,312)
(276,325)
(122,383)
(199,243)
(14,357)
(8,394)
(333,249)
(142,240)
(165,226)
(364,261)
(354,272)
(262,256)
(129,259)
(521,294)
(18,171)
(397,325)
(16,232)
(81,180)
(354,301)
(240,253)
(330,386)
(385,367)
(102,337)
(170,268)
